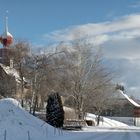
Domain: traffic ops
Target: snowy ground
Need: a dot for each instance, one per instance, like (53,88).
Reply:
(106,122)
(17,124)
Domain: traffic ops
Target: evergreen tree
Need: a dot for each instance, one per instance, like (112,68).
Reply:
(54,110)
(120,87)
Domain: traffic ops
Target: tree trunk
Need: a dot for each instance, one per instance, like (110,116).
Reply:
(22,91)
(98,119)
(35,105)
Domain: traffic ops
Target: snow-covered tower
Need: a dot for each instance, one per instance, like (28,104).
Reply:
(6,40)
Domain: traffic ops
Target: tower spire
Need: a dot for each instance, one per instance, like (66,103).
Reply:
(6,38)
(6,24)
(6,21)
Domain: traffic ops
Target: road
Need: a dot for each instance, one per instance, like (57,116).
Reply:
(101,134)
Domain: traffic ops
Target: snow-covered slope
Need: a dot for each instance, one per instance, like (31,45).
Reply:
(106,122)
(17,124)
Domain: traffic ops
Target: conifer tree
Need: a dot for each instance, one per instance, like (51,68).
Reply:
(54,110)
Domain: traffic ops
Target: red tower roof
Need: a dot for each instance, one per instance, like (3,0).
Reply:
(6,38)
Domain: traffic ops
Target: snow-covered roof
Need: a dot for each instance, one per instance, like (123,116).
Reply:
(5,34)
(129,99)
(11,71)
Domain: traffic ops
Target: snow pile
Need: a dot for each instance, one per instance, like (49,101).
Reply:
(18,124)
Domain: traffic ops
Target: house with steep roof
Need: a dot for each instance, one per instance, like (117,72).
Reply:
(124,106)
(8,83)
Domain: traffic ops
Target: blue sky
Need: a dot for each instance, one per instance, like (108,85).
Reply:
(31,19)
(112,24)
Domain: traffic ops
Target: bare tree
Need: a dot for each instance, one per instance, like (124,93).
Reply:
(75,71)
(42,76)
(18,53)
(83,75)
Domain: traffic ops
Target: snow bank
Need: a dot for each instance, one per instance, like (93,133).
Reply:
(19,124)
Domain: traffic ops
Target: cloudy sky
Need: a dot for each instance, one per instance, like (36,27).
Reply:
(112,24)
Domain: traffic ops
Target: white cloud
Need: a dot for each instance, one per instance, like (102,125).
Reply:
(124,24)
(127,73)
(122,49)
(121,35)
(120,40)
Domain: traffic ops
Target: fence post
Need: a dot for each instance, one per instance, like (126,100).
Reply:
(46,132)
(28,135)
(5,134)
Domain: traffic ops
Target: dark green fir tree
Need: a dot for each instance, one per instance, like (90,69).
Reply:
(54,110)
